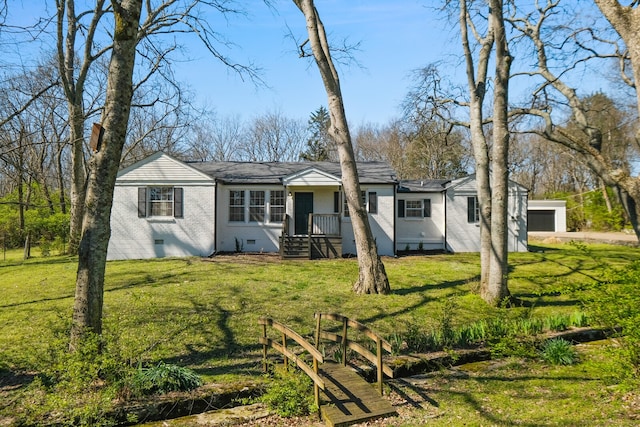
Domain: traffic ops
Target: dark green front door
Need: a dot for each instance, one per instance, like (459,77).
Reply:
(303,206)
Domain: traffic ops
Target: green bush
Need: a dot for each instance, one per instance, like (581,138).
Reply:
(75,388)
(290,393)
(558,351)
(615,304)
(511,346)
(164,378)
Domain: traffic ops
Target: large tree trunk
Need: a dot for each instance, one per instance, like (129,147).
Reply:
(372,275)
(477,89)
(496,290)
(87,309)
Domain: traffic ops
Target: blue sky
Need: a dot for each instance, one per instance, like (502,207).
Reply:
(395,38)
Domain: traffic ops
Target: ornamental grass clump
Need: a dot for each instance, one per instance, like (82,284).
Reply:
(165,378)
(558,351)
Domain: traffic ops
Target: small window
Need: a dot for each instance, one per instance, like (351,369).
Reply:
(473,209)
(276,206)
(373,202)
(236,205)
(160,201)
(256,206)
(413,208)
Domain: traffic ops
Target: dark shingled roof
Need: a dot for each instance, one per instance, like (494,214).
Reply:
(273,172)
(424,186)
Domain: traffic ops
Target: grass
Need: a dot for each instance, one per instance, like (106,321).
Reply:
(203,313)
(515,392)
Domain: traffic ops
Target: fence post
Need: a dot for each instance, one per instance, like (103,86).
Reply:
(317,337)
(344,341)
(264,347)
(316,389)
(284,346)
(379,354)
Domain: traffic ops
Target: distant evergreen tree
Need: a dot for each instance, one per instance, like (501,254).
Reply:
(319,144)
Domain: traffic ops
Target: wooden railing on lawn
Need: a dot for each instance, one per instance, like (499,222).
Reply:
(346,343)
(286,334)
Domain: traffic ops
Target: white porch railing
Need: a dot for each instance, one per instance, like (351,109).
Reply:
(324,224)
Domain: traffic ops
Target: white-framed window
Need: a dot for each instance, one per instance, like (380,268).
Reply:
(473,209)
(253,206)
(256,206)
(414,208)
(276,206)
(160,202)
(236,205)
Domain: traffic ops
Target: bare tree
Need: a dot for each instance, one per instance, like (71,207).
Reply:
(216,139)
(625,20)
(273,137)
(555,90)
(496,290)
(88,302)
(70,26)
(477,76)
(127,35)
(372,275)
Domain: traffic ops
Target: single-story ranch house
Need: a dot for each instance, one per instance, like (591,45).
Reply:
(166,207)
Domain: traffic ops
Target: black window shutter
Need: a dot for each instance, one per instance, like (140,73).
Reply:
(426,206)
(142,202)
(336,202)
(373,202)
(177,202)
(401,208)
(471,209)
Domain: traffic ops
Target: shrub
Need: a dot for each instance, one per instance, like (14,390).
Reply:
(615,304)
(558,351)
(164,378)
(75,388)
(511,346)
(290,393)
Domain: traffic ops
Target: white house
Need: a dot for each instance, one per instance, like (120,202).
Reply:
(463,216)
(166,207)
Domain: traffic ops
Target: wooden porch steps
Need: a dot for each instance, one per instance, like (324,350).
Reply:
(351,399)
(316,247)
(294,247)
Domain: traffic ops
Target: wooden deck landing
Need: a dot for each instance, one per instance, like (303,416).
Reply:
(351,398)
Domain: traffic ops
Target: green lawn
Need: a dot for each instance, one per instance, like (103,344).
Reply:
(203,313)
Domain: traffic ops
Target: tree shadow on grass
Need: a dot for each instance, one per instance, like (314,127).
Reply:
(423,389)
(430,287)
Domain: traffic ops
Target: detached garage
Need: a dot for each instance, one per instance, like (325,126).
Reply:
(547,215)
